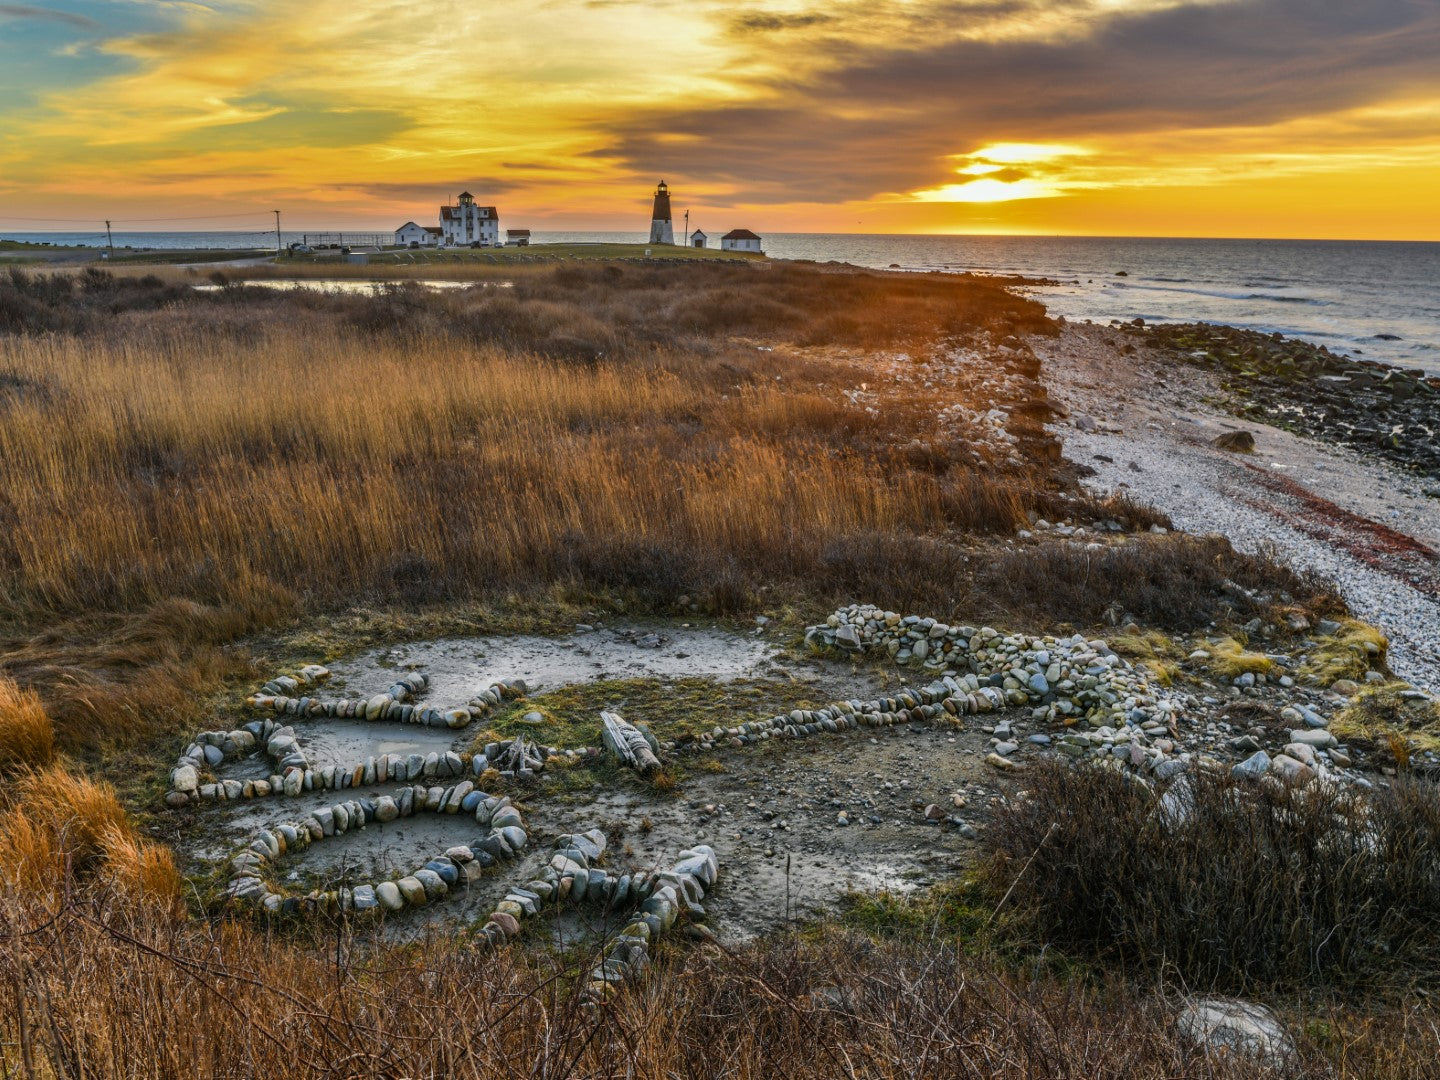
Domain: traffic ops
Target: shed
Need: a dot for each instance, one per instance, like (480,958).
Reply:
(740,240)
(413,235)
(698,239)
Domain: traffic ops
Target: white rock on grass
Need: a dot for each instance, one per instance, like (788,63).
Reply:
(1227,1027)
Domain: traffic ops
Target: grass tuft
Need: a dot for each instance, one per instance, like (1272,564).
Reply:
(27,736)
(1229,659)
(1379,715)
(1349,653)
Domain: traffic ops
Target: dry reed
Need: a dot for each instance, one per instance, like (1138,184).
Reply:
(27,737)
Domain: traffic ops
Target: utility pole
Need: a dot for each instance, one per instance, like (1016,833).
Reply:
(686,241)
(109,240)
(279,244)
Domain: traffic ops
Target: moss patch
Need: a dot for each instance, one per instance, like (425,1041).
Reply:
(673,708)
(951,909)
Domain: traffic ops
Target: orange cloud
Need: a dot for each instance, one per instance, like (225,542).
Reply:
(914,115)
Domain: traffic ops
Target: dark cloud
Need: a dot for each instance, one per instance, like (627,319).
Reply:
(1007,176)
(25,11)
(884,119)
(438,192)
(761,22)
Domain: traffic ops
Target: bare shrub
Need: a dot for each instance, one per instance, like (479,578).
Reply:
(1236,887)
(1176,582)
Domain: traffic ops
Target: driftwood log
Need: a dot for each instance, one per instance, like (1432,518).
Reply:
(628,743)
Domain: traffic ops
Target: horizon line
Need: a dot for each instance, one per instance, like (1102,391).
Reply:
(4,234)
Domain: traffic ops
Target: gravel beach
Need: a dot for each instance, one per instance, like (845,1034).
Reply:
(1141,422)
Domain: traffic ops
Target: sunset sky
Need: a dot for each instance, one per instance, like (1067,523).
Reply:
(1292,118)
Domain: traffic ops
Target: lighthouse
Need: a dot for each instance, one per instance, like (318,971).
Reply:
(661,231)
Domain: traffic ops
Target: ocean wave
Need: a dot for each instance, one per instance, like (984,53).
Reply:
(1219,294)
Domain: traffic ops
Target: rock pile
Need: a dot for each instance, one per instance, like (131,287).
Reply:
(520,757)
(192,778)
(573,875)
(1061,679)
(505,840)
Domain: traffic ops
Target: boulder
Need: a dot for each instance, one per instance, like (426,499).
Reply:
(1227,1027)
(1241,442)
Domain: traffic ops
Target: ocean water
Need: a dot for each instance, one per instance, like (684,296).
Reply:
(1339,293)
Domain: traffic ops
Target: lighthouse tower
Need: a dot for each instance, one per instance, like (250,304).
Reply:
(661,231)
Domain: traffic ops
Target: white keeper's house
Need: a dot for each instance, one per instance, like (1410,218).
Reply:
(412,235)
(740,240)
(469,223)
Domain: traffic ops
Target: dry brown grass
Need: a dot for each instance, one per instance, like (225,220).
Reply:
(424,469)
(27,737)
(98,990)
(79,812)
(58,827)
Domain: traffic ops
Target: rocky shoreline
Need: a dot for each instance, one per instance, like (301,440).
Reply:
(1151,421)
(1356,403)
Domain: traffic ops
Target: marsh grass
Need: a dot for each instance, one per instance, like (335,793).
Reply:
(425,470)
(1349,653)
(1230,658)
(1380,717)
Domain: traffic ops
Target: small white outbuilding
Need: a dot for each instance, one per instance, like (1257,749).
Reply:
(740,240)
(412,235)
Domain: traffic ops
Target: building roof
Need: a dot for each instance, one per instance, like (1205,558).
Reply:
(466,195)
(408,225)
(433,229)
(698,232)
(452,213)
(740,234)
(517,232)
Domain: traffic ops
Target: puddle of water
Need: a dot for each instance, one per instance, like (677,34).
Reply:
(350,285)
